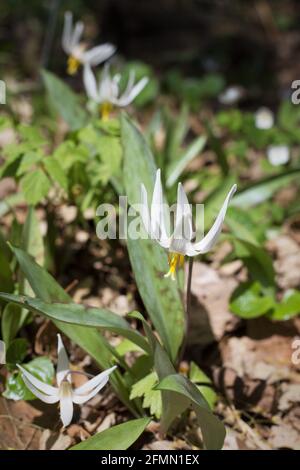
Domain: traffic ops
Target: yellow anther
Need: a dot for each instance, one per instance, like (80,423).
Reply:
(73,65)
(175,259)
(105,110)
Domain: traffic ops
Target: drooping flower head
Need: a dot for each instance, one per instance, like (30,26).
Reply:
(107,91)
(77,50)
(181,243)
(64,392)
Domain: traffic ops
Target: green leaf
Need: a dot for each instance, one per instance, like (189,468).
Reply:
(172,405)
(89,339)
(264,189)
(32,240)
(257,260)
(10,322)
(204,384)
(213,202)
(175,169)
(35,186)
(288,307)
(80,315)
(16,351)
(149,261)
(213,431)
(56,172)
(41,367)
(248,301)
(217,147)
(118,437)
(64,101)
(152,398)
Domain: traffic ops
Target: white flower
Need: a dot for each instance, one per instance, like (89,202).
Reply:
(278,154)
(107,91)
(231,95)
(264,118)
(180,243)
(64,393)
(2,352)
(76,49)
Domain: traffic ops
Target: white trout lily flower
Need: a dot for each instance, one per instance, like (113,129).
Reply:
(2,352)
(278,154)
(77,50)
(107,92)
(264,118)
(180,243)
(64,393)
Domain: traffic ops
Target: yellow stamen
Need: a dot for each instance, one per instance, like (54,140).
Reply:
(73,65)
(175,259)
(105,110)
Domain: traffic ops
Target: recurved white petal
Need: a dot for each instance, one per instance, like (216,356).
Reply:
(211,237)
(125,100)
(76,35)
(99,54)
(2,352)
(63,365)
(99,379)
(158,228)
(80,399)
(42,386)
(50,399)
(184,221)
(90,83)
(67,32)
(66,403)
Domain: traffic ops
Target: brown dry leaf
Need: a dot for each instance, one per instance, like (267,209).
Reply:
(108,422)
(287,264)
(284,436)
(210,297)
(50,440)
(290,396)
(17,428)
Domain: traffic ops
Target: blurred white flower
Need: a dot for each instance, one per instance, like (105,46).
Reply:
(180,243)
(264,118)
(278,154)
(76,49)
(2,352)
(64,393)
(231,95)
(107,91)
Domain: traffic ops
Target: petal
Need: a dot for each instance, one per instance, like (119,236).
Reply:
(42,386)
(80,399)
(94,382)
(99,54)
(67,32)
(105,84)
(211,237)
(184,220)
(90,83)
(41,396)
(63,365)
(157,210)
(66,409)
(77,33)
(134,92)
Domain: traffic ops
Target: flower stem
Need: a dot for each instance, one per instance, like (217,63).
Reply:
(188,290)
(187,309)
